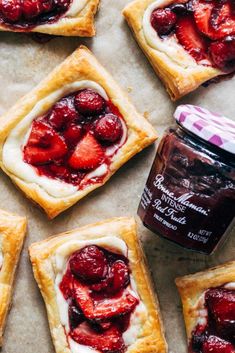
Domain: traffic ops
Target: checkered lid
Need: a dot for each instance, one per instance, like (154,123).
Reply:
(211,127)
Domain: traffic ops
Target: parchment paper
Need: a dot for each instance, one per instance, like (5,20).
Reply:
(23,63)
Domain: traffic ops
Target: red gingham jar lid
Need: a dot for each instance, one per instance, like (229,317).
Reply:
(211,127)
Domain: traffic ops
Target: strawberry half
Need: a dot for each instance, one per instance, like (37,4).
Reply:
(215,21)
(189,37)
(44,145)
(107,341)
(88,154)
(215,344)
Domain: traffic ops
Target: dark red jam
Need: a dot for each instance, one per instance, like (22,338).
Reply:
(78,134)
(24,15)
(100,304)
(189,197)
(205,28)
(218,334)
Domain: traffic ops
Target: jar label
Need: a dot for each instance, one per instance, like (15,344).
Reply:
(183,217)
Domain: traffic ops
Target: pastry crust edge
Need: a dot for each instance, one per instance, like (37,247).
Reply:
(191,287)
(80,65)
(81,25)
(177,80)
(152,338)
(12,231)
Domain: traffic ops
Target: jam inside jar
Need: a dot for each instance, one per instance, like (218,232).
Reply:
(189,197)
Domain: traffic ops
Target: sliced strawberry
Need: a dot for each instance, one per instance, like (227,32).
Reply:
(88,154)
(221,305)
(82,296)
(44,145)
(215,344)
(214,20)
(105,309)
(107,341)
(189,37)
(115,306)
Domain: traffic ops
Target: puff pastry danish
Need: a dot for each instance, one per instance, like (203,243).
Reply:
(70,134)
(187,42)
(97,290)
(208,300)
(58,17)
(12,234)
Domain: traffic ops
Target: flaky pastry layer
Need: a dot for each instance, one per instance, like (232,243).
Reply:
(81,65)
(12,234)
(151,338)
(191,288)
(178,79)
(81,25)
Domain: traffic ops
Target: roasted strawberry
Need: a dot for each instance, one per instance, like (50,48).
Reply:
(73,134)
(214,20)
(108,128)
(89,102)
(221,305)
(76,316)
(44,145)
(117,279)
(81,293)
(31,8)
(89,264)
(120,276)
(63,4)
(115,306)
(215,344)
(11,9)
(46,5)
(163,20)
(59,170)
(62,114)
(223,54)
(109,341)
(66,285)
(189,37)
(105,309)
(88,154)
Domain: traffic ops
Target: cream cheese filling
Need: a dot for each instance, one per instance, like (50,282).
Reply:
(12,155)
(76,7)
(60,261)
(169,45)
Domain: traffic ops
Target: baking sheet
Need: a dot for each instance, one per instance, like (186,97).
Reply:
(23,63)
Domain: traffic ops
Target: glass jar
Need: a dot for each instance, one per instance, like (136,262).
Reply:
(189,196)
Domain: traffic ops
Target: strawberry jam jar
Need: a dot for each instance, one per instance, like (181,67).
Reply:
(189,197)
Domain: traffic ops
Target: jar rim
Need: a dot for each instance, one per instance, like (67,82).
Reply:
(213,128)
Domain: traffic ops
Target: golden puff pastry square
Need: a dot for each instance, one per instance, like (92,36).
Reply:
(12,234)
(52,260)
(77,20)
(177,69)
(192,289)
(80,71)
